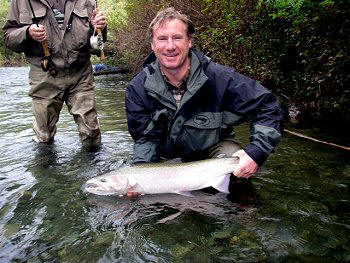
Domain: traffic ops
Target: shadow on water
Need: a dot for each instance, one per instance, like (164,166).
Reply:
(295,209)
(45,155)
(165,226)
(243,193)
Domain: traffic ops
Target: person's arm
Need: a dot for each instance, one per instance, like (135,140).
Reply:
(146,143)
(262,109)
(98,21)
(16,33)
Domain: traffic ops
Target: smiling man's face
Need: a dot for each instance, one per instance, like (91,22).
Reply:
(171,45)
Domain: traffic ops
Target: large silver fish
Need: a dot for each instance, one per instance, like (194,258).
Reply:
(180,178)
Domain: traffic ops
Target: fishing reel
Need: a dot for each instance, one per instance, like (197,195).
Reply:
(96,42)
(47,65)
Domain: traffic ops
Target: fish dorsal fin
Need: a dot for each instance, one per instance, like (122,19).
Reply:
(221,183)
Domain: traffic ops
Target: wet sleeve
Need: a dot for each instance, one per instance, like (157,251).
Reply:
(145,151)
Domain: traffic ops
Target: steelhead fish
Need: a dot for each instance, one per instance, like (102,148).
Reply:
(156,178)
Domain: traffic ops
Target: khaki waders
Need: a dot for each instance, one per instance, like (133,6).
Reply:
(75,87)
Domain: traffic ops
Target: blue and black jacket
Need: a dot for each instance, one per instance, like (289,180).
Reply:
(217,99)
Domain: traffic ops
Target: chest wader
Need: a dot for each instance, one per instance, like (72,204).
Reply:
(73,86)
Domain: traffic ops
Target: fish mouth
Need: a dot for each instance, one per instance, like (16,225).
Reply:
(95,188)
(91,186)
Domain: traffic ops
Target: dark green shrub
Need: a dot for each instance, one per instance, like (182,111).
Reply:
(7,57)
(299,49)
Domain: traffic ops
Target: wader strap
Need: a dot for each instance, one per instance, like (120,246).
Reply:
(35,20)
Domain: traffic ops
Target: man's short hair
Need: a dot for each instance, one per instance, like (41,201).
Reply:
(166,15)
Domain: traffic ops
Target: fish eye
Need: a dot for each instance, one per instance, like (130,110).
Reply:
(103,180)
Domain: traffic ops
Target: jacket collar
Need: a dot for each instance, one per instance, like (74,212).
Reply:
(158,88)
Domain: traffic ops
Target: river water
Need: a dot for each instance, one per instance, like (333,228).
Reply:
(296,208)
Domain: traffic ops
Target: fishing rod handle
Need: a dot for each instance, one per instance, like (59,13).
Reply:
(45,48)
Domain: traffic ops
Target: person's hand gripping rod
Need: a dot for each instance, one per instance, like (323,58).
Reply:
(37,33)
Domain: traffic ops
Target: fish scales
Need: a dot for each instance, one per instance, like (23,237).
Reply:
(165,178)
(176,177)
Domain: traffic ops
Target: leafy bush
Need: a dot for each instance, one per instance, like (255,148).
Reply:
(7,57)
(312,65)
(299,49)
(3,13)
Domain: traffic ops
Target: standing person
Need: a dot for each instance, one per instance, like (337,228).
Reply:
(182,104)
(55,38)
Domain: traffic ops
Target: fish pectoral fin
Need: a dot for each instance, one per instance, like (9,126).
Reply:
(136,188)
(222,183)
(132,194)
(132,181)
(185,193)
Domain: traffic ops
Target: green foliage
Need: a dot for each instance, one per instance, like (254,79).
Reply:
(312,59)
(3,10)
(299,49)
(294,9)
(287,8)
(3,14)
(114,11)
(7,57)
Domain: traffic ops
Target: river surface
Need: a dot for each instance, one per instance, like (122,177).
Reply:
(296,208)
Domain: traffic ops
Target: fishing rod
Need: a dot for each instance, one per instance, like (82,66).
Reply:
(96,42)
(46,62)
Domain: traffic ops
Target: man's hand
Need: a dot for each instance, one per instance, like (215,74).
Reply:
(37,32)
(98,20)
(246,166)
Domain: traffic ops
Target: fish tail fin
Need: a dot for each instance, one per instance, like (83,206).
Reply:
(222,183)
